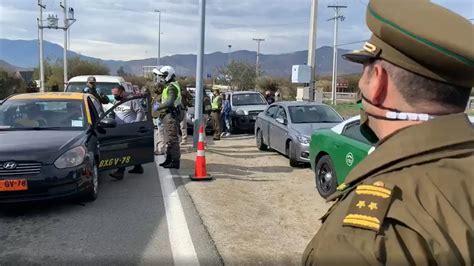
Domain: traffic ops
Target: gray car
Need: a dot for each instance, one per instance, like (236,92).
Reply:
(287,127)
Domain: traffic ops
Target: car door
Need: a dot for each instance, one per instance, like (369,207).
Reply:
(126,144)
(351,149)
(279,132)
(268,118)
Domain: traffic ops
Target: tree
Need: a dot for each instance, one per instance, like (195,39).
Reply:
(121,72)
(284,86)
(237,75)
(9,84)
(54,71)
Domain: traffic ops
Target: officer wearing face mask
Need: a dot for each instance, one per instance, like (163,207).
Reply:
(410,202)
(128,112)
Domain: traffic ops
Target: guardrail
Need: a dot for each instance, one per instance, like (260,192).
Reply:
(341,95)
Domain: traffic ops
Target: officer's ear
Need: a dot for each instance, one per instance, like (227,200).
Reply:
(378,83)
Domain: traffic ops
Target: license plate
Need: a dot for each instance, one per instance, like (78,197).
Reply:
(13,185)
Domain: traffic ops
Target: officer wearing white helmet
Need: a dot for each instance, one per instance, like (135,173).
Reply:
(170,103)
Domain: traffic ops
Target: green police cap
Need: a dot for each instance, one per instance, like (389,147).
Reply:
(421,37)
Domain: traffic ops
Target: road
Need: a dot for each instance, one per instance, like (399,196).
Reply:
(143,219)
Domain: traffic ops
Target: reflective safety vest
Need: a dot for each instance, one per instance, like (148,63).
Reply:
(165,95)
(215,103)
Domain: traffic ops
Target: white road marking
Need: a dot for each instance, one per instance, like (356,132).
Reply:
(182,245)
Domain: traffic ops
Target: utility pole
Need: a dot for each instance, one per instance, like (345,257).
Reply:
(336,18)
(159,38)
(40,38)
(228,55)
(66,26)
(199,73)
(312,48)
(257,66)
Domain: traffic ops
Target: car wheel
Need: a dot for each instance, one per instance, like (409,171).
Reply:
(292,155)
(325,175)
(93,190)
(260,143)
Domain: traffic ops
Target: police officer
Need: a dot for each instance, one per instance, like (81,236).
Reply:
(170,103)
(128,112)
(158,116)
(411,201)
(216,110)
(92,89)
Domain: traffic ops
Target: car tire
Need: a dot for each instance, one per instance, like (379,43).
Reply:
(292,155)
(260,142)
(93,192)
(325,176)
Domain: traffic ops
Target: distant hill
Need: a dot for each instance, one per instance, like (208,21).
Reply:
(8,67)
(24,54)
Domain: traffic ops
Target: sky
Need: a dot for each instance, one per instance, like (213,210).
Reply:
(128,29)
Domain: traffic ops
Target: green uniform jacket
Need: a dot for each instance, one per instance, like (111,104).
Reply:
(410,202)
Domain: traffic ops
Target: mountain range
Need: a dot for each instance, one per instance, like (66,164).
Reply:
(23,54)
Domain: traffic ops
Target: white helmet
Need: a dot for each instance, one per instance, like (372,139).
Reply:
(166,73)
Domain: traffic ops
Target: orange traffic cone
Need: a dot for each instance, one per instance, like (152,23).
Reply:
(200,172)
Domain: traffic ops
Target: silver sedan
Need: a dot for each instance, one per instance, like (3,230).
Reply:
(287,127)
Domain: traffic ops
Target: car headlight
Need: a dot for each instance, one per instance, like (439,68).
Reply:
(240,112)
(303,139)
(71,158)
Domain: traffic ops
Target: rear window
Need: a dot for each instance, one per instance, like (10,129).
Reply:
(102,87)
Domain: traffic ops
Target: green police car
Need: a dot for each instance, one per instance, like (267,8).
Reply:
(334,152)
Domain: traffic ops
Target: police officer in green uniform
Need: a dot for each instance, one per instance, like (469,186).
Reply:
(92,89)
(411,201)
(170,103)
(216,110)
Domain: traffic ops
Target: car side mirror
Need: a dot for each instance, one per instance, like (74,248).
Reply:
(281,120)
(107,123)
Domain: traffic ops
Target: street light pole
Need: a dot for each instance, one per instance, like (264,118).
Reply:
(228,55)
(159,38)
(40,37)
(312,48)
(334,59)
(199,73)
(257,66)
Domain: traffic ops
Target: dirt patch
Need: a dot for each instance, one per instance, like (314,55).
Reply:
(258,209)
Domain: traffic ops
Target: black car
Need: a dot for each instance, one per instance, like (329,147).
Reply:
(53,145)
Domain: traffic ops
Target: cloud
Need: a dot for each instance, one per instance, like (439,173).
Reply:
(125,30)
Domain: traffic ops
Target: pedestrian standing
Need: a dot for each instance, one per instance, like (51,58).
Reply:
(206,108)
(92,89)
(269,97)
(170,103)
(128,112)
(410,202)
(186,102)
(227,109)
(158,116)
(216,109)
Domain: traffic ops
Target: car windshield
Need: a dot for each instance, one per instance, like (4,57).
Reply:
(248,99)
(35,114)
(102,87)
(313,114)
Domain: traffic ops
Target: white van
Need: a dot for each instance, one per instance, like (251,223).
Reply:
(104,84)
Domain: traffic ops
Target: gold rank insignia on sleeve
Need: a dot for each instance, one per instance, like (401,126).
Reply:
(369,206)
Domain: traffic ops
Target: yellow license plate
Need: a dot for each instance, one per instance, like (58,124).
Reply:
(13,185)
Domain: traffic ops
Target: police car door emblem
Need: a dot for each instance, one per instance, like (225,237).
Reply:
(349,159)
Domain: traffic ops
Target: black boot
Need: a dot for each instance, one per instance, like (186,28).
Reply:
(138,169)
(118,174)
(167,161)
(173,164)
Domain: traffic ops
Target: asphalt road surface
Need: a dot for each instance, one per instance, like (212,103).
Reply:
(143,219)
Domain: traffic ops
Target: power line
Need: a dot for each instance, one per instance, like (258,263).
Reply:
(343,44)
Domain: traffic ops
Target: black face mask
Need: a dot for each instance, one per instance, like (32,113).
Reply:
(118,97)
